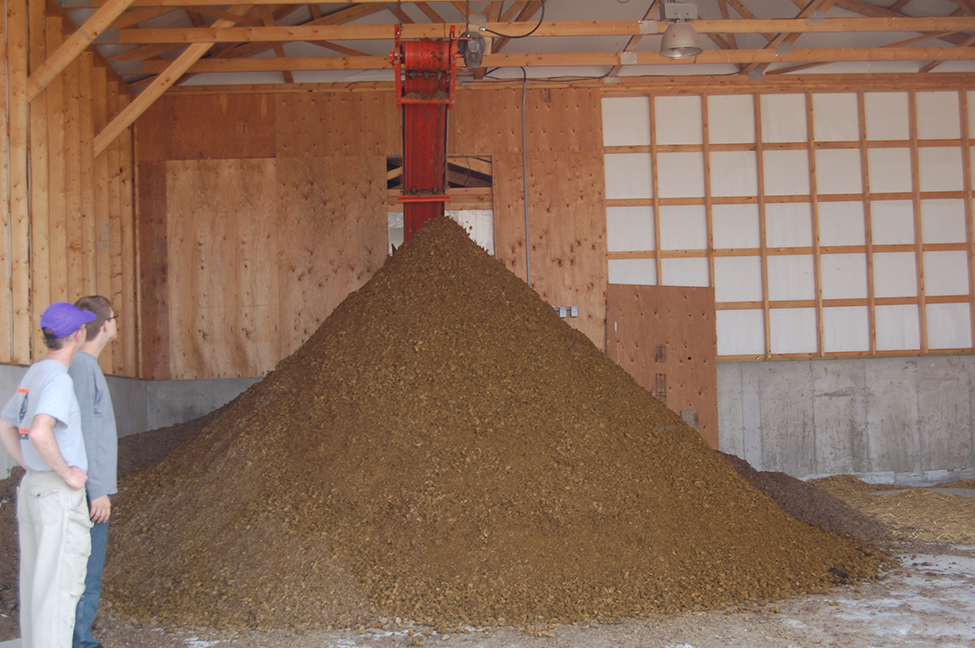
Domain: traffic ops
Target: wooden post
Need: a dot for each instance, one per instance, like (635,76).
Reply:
(20,330)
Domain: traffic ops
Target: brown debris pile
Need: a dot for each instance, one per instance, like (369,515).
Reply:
(911,513)
(446,450)
(811,504)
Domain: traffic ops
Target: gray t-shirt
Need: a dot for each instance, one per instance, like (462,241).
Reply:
(46,388)
(97,425)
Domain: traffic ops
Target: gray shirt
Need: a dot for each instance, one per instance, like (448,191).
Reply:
(97,425)
(46,389)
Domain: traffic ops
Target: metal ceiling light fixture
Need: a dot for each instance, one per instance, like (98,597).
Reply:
(680,40)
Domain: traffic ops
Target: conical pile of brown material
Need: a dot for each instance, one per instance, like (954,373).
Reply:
(445,449)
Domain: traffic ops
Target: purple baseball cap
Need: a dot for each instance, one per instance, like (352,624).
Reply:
(64,318)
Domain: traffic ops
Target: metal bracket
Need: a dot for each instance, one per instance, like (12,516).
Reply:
(648,27)
(783,49)
(757,74)
(108,36)
(628,58)
(128,67)
(74,4)
(816,17)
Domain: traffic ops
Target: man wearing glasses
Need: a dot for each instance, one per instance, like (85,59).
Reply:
(101,443)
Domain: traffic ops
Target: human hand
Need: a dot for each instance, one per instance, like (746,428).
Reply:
(100,509)
(75,477)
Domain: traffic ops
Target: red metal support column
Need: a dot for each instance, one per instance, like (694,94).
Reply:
(424,92)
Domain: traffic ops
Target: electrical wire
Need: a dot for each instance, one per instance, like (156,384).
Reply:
(540,19)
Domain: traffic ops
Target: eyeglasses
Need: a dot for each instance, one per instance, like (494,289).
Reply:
(115,317)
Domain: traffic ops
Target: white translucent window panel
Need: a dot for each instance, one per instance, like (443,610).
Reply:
(735,226)
(396,230)
(843,276)
(731,119)
(626,121)
(886,115)
(788,225)
(634,272)
(791,277)
(889,170)
(479,225)
(783,118)
(938,115)
(684,272)
(683,227)
(793,330)
(679,120)
(892,222)
(846,329)
(898,328)
(786,173)
(734,173)
(628,175)
(737,279)
(946,273)
(940,169)
(841,223)
(838,171)
(836,117)
(894,274)
(943,221)
(740,332)
(949,326)
(629,229)
(680,175)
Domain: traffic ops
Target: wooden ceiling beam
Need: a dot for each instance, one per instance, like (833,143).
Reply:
(163,82)
(310,32)
(739,56)
(74,45)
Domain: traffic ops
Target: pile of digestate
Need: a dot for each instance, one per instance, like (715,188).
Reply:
(446,450)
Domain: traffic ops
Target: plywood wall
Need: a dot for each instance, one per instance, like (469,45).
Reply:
(664,336)
(311,186)
(71,222)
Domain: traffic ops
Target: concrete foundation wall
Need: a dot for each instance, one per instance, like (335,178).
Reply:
(877,417)
(880,416)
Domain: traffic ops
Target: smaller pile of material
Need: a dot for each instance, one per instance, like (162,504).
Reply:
(909,513)
(810,503)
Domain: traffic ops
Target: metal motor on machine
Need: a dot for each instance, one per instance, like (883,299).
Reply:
(426,78)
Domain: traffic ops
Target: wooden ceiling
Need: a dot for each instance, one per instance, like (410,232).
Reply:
(155,44)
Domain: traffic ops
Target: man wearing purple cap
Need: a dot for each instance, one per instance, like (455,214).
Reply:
(41,429)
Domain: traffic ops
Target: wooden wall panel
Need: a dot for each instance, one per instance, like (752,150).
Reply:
(484,122)
(4,204)
(567,119)
(332,124)
(196,127)
(332,237)
(567,231)
(153,244)
(665,337)
(222,236)
(22,329)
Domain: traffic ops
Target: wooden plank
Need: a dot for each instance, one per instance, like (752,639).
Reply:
(88,193)
(57,216)
(72,171)
(762,229)
(665,337)
(814,214)
(509,214)
(966,158)
(341,200)
(5,179)
(224,308)
(708,215)
(153,322)
(101,221)
(867,222)
(127,306)
(112,359)
(40,251)
(655,188)
(918,227)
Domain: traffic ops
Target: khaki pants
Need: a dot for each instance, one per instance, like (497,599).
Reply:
(54,545)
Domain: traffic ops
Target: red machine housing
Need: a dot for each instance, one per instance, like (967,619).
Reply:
(426,75)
